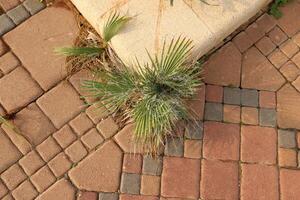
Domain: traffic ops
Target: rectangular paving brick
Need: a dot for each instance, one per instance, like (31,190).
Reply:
(287,157)
(8,62)
(250,115)
(289,184)
(59,164)
(249,97)
(150,185)
(81,124)
(287,139)
(61,110)
(232,95)
(8,4)
(42,179)
(132,163)
(108,196)
(194,130)
(232,113)
(65,136)
(213,111)
(25,191)
(213,186)
(6,24)
(76,151)
(13,176)
(31,162)
(24,88)
(33,6)
(174,147)
(3,189)
(267,99)
(152,166)
(92,138)
(130,183)
(267,117)
(192,149)
(18,14)
(48,149)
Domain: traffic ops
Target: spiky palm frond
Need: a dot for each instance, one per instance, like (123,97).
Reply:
(114,24)
(79,51)
(153,95)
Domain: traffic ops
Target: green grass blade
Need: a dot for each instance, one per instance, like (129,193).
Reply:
(79,51)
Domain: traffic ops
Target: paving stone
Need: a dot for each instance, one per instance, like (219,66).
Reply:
(95,173)
(3,190)
(8,149)
(180,178)
(60,164)
(60,30)
(6,24)
(277,36)
(65,136)
(192,148)
(214,93)
(31,163)
(296,59)
(48,149)
(33,124)
(76,151)
(265,45)
(152,165)
(220,136)
(25,191)
(130,183)
(296,83)
(266,76)
(289,48)
(92,138)
(213,185)
(287,157)
(97,112)
(108,127)
(24,90)
(125,140)
(33,6)
(18,14)
(267,117)
(296,39)
(108,196)
(42,179)
(289,22)
(232,113)
(255,32)
(242,41)
(150,185)
(8,197)
(258,144)
(174,147)
(213,111)
(8,62)
(196,105)
(230,58)
(278,58)
(86,195)
(259,182)
(266,22)
(290,71)
(61,110)
(267,99)
(249,97)
(286,139)
(7,5)
(289,187)
(249,115)
(62,189)
(298,159)
(194,130)
(132,163)
(23,144)
(232,96)
(288,107)
(81,124)
(13,176)
(137,197)
(3,47)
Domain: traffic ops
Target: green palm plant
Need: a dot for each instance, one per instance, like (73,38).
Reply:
(154,95)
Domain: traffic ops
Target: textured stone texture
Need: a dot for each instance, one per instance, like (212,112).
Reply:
(81,124)
(48,149)
(64,136)
(152,166)
(59,165)
(42,179)
(31,163)
(25,191)
(231,113)
(180,178)
(150,185)
(132,163)
(174,147)
(232,96)
(6,24)
(287,157)
(8,62)
(92,138)
(18,14)
(95,173)
(60,30)
(76,151)
(130,183)
(289,180)
(33,6)
(213,111)
(286,139)
(13,176)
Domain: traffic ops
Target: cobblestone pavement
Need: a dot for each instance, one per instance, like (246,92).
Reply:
(246,147)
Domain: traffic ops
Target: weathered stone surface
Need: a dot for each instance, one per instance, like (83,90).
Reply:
(62,189)
(100,171)
(8,152)
(60,30)
(224,67)
(289,184)
(288,107)
(259,73)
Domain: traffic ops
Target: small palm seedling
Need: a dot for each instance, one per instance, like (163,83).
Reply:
(154,95)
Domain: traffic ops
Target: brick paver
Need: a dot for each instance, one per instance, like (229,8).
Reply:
(244,142)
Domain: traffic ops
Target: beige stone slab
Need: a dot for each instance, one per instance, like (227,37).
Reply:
(156,21)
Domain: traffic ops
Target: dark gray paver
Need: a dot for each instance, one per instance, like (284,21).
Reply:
(249,98)
(232,95)
(33,6)
(18,14)
(174,147)
(267,117)
(6,24)
(213,111)
(286,139)
(130,183)
(152,166)
(194,130)
(108,196)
